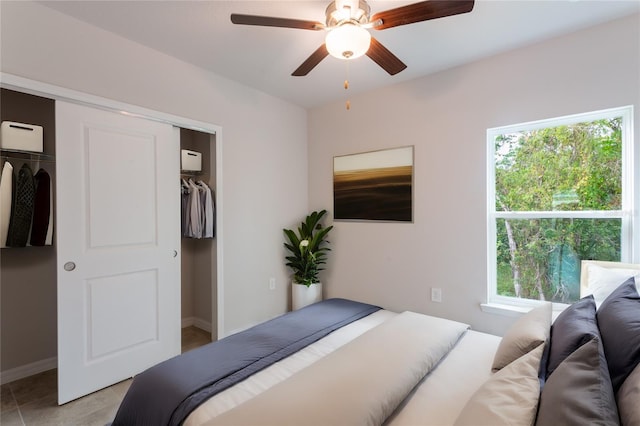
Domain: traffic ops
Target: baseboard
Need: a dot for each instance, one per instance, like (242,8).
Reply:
(50,363)
(196,322)
(28,370)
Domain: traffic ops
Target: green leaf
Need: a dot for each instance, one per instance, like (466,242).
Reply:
(306,261)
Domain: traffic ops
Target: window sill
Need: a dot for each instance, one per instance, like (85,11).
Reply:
(515,311)
(505,310)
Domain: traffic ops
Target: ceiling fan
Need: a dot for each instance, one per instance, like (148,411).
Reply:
(347,23)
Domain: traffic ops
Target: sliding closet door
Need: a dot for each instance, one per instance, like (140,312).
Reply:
(118,238)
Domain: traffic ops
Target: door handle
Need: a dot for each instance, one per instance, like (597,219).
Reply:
(69,266)
(175,253)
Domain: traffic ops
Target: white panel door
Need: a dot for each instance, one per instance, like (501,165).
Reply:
(118,237)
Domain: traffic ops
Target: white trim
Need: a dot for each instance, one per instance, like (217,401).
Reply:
(196,322)
(27,370)
(514,311)
(219,299)
(628,214)
(569,214)
(504,310)
(33,87)
(565,119)
(629,252)
(202,324)
(187,322)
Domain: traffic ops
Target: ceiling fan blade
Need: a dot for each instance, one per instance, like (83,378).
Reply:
(422,11)
(268,21)
(383,57)
(311,61)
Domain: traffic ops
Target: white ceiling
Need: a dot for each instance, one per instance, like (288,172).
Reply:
(201,33)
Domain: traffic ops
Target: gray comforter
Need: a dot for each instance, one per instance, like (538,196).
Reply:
(168,392)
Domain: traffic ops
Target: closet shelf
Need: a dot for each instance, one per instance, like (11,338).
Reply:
(191,173)
(16,154)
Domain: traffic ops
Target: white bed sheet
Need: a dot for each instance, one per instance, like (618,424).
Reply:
(437,400)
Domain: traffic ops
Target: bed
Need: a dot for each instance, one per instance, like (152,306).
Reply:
(372,366)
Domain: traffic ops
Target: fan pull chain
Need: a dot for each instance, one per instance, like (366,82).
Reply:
(346,86)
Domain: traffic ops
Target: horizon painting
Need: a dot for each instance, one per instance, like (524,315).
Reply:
(376,185)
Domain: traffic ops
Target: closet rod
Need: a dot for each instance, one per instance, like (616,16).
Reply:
(17,154)
(32,160)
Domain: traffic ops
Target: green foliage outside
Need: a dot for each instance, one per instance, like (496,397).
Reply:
(571,168)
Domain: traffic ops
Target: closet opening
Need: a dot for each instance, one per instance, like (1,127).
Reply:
(29,276)
(198,240)
(28,269)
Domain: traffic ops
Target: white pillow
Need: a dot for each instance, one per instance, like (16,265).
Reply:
(601,282)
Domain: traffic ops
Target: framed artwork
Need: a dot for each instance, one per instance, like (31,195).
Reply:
(376,185)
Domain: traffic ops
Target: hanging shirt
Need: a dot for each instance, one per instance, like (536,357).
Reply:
(198,212)
(208,210)
(22,211)
(49,238)
(6,201)
(185,205)
(41,208)
(195,211)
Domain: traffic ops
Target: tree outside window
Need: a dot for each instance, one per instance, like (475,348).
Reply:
(557,196)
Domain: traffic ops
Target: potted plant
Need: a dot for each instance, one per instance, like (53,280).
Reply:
(308,255)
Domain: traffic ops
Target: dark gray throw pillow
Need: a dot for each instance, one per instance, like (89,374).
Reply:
(575,326)
(579,391)
(619,323)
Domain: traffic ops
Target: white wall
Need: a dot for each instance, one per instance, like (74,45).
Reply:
(264,147)
(446,117)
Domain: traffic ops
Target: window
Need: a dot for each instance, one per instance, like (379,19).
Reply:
(559,191)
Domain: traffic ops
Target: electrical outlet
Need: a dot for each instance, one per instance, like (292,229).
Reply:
(272,283)
(436,295)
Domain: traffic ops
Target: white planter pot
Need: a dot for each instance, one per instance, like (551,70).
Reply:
(301,295)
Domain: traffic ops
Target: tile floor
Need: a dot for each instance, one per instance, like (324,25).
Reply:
(32,401)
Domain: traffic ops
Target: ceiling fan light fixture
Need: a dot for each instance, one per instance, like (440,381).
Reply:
(348,41)
(340,11)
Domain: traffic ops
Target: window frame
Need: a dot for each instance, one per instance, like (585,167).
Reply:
(629,249)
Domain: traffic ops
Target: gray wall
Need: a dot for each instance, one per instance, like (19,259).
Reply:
(445,116)
(28,304)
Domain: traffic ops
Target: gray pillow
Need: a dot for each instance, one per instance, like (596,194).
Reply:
(575,326)
(530,331)
(579,391)
(619,323)
(628,397)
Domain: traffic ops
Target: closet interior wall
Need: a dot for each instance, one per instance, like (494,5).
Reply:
(199,271)
(28,286)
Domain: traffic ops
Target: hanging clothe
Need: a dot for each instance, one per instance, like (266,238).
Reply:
(41,208)
(184,202)
(208,210)
(197,209)
(22,208)
(6,201)
(49,238)
(195,230)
